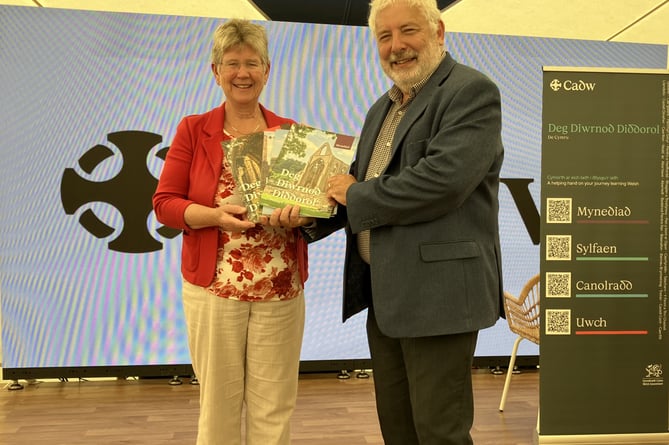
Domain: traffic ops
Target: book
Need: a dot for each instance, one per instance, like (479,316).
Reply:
(301,166)
(248,158)
(244,156)
(274,139)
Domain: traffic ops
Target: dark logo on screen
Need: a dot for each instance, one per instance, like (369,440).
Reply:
(129,192)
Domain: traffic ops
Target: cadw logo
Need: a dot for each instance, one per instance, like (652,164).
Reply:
(572,85)
(130,192)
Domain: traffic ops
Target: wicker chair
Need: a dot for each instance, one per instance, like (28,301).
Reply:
(522,314)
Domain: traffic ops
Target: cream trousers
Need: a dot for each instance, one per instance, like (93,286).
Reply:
(246,356)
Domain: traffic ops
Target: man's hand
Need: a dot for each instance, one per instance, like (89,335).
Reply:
(338,186)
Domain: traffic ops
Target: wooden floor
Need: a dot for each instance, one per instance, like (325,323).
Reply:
(330,411)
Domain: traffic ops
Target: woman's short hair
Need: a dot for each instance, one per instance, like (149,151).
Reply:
(428,8)
(237,32)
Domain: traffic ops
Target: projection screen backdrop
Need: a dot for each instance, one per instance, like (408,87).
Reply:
(90,102)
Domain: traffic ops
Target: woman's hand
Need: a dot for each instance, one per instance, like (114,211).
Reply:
(233,218)
(229,217)
(289,217)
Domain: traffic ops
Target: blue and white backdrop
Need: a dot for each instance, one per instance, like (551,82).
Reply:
(90,102)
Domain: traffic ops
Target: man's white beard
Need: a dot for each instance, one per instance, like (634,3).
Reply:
(427,62)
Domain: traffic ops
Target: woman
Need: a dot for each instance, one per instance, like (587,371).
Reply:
(243,286)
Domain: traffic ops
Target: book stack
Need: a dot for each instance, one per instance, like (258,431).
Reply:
(289,165)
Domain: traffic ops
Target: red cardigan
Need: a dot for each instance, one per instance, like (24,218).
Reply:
(190,175)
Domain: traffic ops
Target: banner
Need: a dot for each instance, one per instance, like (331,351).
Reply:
(605,196)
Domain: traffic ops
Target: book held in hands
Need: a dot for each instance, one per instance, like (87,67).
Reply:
(244,156)
(298,173)
(288,165)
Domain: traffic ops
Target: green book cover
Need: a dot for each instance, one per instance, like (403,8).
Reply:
(244,157)
(298,174)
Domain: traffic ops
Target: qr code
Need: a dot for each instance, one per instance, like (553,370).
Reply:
(558,321)
(558,247)
(558,284)
(558,210)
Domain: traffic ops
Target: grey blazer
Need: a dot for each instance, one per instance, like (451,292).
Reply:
(433,214)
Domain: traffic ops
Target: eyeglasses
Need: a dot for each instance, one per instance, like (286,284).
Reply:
(233,66)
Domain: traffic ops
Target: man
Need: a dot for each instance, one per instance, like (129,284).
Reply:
(420,210)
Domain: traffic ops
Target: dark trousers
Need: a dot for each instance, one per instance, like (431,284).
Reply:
(423,387)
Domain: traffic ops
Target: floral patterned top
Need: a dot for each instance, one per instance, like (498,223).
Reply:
(257,265)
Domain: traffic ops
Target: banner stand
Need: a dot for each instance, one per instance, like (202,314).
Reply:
(604,257)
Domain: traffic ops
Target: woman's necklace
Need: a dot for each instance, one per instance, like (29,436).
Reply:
(238,131)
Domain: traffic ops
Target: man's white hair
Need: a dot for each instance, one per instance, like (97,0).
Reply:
(428,8)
